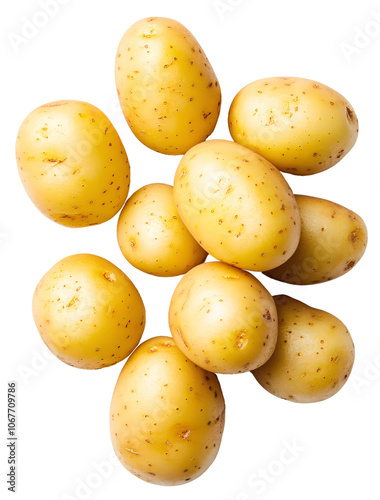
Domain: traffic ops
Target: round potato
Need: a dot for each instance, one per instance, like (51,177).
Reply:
(168,91)
(303,127)
(167,415)
(333,240)
(88,312)
(223,319)
(72,163)
(313,357)
(237,205)
(152,236)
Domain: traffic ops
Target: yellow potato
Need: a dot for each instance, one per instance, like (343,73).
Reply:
(303,127)
(152,236)
(223,319)
(237,205)
(72,163)
(333,240)
(167,415)
(88,312)
(313,357)
(168,91)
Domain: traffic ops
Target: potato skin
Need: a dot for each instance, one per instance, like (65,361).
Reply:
(303,127)
(72,163)
(313,357)
(223,319)
(168,91)
(88,312)
(237,205)
(333,240)
(152,236)
(167,415)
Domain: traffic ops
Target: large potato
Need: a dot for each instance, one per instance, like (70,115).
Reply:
(167,415)
(223,319)
(301,126)
(88,312)
(237,205)
(333,240)
(152,236)
(168,91)
(313,357)
(72,163)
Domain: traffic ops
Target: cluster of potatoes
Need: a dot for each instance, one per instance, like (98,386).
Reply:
(229,199)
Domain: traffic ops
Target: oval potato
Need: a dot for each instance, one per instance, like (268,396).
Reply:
(167,415)
(303,127)
(314,354)
(72,163)
(152,236)
(223,319)
(168,91)
(333,240)
(237,205)
(88,312)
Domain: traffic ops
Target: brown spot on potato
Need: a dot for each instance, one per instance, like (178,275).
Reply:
(349,113)
(349,265)
(267,315)
(354,235)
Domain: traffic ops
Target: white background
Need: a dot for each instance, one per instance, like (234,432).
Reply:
(62,411)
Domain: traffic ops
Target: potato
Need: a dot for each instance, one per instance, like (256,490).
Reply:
(88,312)
(152,236)
(223,319)
(333,240)
(313,357)
(72,163)
(237,205)
(167,415)
(168,91)
(303,127)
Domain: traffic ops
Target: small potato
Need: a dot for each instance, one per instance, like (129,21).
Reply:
(167,415)
(223,319)
(72,163)
(333,240)
(237,205)
(303,127)
(168,91)
(152,236)
(313,357)
(88,312)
